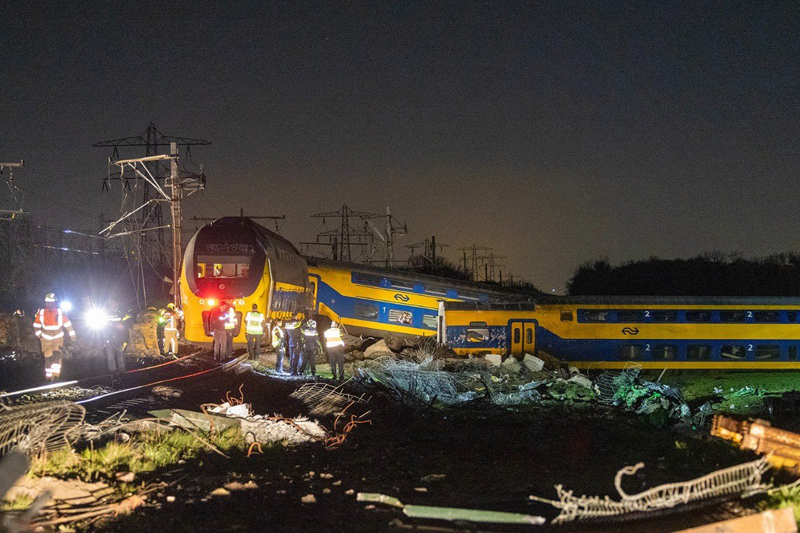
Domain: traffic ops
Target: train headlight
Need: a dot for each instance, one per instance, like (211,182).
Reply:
(241,302)
(65,306)
(211,301)
(96,318)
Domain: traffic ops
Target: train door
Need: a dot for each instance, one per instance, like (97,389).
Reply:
(523,337)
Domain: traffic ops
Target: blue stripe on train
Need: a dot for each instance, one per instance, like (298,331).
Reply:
(345,306)
(609,349)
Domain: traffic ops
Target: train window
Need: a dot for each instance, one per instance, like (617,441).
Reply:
(566,316)
(366,311)
(793,353)
(734,351)
(517,335)
(480,334)
(430,321)
(698,351)
(594,315)
(223,267)
(477,324)
(768,351)
(529,336)
(698,316)
(767,316)
(466,295)
(439,291)
(791,316)
(629,316)
(732,316)
(400,284)
(628,352)
(400,316)
(366,279)
(664,352)
(664,316)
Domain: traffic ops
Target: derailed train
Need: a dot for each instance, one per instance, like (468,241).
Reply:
(236,258)
(614,332)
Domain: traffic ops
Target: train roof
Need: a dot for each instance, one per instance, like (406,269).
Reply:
(478,306)
(244,222)
(672,300)
(410,275)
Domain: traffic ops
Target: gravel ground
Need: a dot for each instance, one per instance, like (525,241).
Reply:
(479,457)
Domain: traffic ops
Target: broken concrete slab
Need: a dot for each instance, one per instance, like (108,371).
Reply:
(533,363)
(511,365)
(193,420)
(495,359)
(288,432)
(376,350)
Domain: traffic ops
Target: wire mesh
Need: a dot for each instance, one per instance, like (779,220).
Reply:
(39,428)
(324,399)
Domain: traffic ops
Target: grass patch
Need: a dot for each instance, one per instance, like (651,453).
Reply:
(786,496)
(18,504)
(741,392)
(145,452)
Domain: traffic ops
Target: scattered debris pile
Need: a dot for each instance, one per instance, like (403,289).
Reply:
(423,380)
(743,479)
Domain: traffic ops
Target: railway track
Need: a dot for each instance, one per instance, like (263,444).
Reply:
(137,381)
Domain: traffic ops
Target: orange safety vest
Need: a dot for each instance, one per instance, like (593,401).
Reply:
(49,324)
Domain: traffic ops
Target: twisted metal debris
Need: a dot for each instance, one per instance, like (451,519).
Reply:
(418,383)
(744,479)
(39,428)
(324,399)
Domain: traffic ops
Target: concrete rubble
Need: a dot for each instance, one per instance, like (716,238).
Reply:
(255,428)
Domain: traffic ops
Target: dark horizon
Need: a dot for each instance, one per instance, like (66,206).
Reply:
(554,133)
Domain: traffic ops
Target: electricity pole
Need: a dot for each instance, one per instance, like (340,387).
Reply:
(177,186)
(177,222)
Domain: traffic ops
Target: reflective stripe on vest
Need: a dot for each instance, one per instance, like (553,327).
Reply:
(333,338)
(253,321)
(277,336)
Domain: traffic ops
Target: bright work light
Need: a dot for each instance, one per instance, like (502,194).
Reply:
(96,318)
(66,306)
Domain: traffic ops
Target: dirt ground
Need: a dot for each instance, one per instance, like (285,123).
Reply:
(483,457)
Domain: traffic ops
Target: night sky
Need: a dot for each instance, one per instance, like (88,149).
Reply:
(555,132)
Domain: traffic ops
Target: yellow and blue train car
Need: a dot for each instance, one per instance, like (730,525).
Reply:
(238,259)
(679,333)
(376,301)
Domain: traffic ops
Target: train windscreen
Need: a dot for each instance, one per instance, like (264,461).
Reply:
(223,266)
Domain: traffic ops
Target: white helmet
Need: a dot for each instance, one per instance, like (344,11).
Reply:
(50,297)
(334,324)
